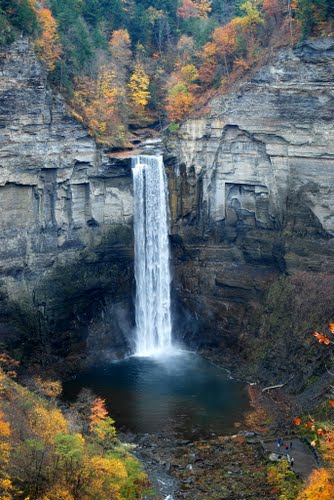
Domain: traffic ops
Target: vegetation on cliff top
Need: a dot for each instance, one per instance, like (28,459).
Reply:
(127,63)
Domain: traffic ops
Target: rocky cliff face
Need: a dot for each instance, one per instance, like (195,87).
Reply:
(252,192)
(63,205)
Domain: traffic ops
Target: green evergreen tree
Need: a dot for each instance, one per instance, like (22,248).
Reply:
(313,13)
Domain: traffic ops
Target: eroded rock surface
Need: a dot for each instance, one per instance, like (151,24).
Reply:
(252,190)
(62,202)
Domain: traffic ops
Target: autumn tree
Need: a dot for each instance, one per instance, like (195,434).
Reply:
(6,486)
(319,486)
(185,48)
(283,480)
(48,45)
(120,48)
(105,477)
(273,9)
(98,413)
(179,102)
(98,103)
(101,425)
(49,388)
(47,423)
(194,8)
(138,85)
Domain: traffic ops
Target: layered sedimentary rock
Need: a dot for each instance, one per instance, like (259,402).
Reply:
(252,189)
(62,203)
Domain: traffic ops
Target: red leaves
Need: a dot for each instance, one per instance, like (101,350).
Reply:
(297,421)
(321,338)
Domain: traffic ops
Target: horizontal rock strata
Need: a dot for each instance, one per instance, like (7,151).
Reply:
(252,189)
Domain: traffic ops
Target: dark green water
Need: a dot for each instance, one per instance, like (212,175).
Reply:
(184,394)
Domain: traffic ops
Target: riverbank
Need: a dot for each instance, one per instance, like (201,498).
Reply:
(218,467)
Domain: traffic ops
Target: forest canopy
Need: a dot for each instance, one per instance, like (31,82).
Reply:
(130,63)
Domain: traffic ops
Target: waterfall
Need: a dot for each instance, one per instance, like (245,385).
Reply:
(153,319)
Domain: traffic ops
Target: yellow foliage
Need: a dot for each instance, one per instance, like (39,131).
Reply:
(120,37)
(51,388)
(48,45)
(189,73)
(47,423)
(109,466)
(4,427)
(58,493)
(105,478)
(138,85)
(106,86)
(6,486)
(320,486)
(203,7)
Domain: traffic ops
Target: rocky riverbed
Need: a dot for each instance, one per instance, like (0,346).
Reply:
(216,467)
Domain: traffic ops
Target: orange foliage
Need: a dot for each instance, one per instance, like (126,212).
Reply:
(321,338)
(240,63)
(331,327)
(6,486)
(179,105)
(120,50)
(48,45)
(226,37)
(4,427)
(95,103)
(320,486)
(98,412)
(119,38)
(209,57)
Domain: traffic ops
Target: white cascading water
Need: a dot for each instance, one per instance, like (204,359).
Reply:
(153,317)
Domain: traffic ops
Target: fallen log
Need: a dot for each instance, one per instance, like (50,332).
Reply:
(278,386)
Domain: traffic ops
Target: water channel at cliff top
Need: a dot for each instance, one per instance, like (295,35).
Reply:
(184,394)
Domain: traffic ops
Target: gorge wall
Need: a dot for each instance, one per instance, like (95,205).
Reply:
(252,199)
(252,221)
(65,224)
